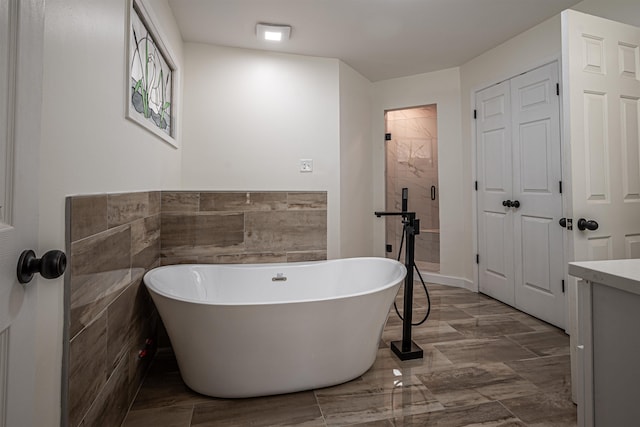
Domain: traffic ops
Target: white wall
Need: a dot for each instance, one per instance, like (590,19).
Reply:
(250,116)
(87,146)
(528,50)
(356,192)
(441,88)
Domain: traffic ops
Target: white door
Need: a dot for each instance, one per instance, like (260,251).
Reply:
(602,75)
(519,199)
(601,80)
(495,186)
(21,28)
(538,249)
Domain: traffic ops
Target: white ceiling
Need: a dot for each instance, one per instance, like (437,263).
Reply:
(381,39)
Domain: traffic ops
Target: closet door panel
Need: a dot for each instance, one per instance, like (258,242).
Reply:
(495,182)
(535,173)
(536,259)
(538,250)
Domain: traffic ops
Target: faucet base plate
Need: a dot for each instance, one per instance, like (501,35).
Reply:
(415,352)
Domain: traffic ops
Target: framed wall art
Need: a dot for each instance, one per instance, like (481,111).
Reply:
(151,76)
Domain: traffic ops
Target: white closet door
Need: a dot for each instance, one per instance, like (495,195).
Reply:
(519,165)
(495,181)
(538,249)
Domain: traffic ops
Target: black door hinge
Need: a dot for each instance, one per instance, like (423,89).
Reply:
(475,114)
(563,286)
(558,89)
(476,185)
(387,137)
(560,185)
(477,258)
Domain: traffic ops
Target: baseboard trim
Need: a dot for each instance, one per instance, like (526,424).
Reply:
(441,279)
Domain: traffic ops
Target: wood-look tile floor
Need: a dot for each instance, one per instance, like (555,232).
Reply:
(484,363)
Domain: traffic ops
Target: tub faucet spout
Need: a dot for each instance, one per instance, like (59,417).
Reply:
(279,277)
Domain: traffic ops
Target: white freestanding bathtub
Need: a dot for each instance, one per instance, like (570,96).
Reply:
(261,329)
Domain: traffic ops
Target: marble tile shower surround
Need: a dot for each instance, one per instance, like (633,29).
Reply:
(412,162)
(113,239)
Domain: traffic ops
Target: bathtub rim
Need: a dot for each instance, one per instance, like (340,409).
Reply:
(391,283)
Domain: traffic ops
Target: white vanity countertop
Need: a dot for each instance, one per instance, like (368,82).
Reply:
(623,274)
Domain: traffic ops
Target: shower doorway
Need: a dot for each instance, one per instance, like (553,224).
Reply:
(412,161)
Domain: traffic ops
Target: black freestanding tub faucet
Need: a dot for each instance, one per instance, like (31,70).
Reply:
(407,349)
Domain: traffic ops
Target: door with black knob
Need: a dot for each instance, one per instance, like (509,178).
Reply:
(603,128)
(601,81)
(21,24)
(519,201)
(495,191)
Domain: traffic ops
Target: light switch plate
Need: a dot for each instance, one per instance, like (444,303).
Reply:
(306,165)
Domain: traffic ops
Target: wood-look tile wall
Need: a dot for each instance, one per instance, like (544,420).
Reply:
(113,239)
(243,227)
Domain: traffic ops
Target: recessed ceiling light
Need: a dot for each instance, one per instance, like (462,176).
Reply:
(273,32)
(274,36)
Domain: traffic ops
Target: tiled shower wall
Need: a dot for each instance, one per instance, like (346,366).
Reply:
(112,240)
(412,162)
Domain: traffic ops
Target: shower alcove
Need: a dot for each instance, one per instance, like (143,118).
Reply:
(412,162)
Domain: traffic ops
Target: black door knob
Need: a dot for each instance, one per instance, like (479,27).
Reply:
(515,204)
(563,222)
(50,266)
(506,203)
(584,224)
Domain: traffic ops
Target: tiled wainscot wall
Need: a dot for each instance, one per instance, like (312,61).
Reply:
(218,228)
(113,239)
